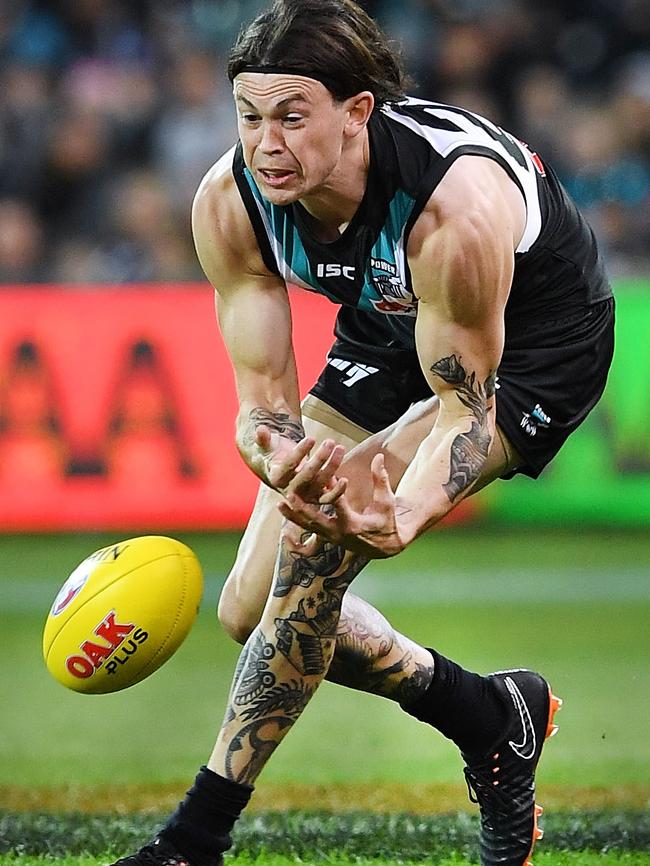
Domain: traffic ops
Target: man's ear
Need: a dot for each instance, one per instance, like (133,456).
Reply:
(359,108)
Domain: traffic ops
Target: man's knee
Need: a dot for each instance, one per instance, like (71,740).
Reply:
(236,617)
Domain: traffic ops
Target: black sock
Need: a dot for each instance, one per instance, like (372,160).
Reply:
(200,827)
(462,705)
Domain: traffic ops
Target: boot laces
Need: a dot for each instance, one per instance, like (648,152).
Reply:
(482,790)
(155,854)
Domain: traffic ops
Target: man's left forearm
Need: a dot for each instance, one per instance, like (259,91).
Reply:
(444,470)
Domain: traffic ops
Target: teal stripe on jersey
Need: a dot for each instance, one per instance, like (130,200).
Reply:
(288,240)
(383,250)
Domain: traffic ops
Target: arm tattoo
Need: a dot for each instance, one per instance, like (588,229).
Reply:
(468,450)
(277,422)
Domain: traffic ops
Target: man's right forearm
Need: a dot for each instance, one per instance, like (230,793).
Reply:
(280,423)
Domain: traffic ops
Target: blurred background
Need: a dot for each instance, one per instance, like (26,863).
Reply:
(112,110)
(110,113)
(117,402)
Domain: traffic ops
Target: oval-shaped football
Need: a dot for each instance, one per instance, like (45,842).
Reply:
(122,613)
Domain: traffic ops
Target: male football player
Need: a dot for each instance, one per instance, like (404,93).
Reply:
(473,296)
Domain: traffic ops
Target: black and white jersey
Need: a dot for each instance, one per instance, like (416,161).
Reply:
(412,145)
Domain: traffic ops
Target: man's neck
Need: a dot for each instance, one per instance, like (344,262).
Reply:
(332,207)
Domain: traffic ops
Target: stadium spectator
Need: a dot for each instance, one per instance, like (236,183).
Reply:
(196,122)
(90,90)
(71,180)
(21,243)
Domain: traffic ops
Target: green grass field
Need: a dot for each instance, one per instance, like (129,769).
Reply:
(576,858)
(575,605)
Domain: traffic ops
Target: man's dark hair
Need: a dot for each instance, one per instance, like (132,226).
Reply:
(334,41)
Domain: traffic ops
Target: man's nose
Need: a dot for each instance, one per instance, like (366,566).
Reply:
(271,140)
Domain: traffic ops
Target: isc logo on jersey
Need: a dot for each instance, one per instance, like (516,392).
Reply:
(334,270)
(122,613)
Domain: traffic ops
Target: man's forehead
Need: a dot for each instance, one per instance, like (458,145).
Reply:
(278,87)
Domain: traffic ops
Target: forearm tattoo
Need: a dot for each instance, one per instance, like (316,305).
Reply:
(277,422)
(468,450)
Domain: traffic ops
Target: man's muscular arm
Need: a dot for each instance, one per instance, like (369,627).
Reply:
(461,257)
(255,320)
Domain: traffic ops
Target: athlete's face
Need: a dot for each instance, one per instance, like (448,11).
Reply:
(292,132)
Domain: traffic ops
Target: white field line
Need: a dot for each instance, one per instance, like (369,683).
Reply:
(416,589)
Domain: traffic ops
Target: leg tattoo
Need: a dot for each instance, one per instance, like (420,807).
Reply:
(255,749)
(372,657)
(285,658)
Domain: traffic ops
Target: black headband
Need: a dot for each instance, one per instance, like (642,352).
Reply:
(278,69)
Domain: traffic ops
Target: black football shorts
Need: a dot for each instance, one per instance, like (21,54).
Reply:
(550,377)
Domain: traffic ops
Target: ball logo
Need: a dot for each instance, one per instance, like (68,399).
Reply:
(77,580)
(73,586)
(113,636)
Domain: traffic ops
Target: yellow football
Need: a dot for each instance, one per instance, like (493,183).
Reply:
(122,613)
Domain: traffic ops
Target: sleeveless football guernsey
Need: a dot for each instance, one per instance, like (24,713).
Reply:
(412,144)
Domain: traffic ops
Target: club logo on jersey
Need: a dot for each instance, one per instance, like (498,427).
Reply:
(532,421)
(537,162)
(396,299)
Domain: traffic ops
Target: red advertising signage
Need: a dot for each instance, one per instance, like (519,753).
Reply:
(117,407)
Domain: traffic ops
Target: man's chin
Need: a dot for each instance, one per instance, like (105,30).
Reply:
(284,196)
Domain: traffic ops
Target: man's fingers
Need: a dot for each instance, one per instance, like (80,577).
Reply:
(335,492)
(326,468)
(317,474)
(263,437)
(325,460)
(301,513)
(312,516)
(282,470)
(301,451)
(383,492)
(335,459)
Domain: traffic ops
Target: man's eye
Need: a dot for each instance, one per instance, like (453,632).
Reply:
(293,118)
(250,118)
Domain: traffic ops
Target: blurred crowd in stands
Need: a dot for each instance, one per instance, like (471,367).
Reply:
(112,110)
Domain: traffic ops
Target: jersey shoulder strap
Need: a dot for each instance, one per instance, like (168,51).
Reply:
(451,132)
(259,211)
